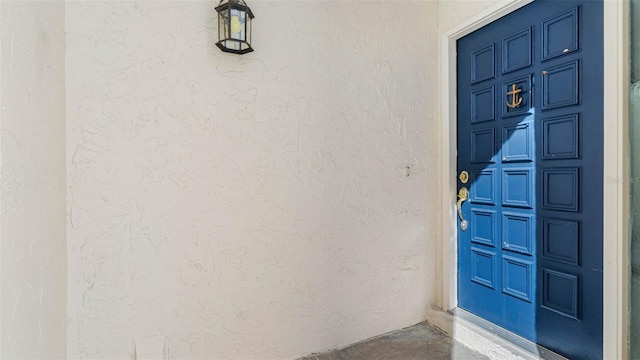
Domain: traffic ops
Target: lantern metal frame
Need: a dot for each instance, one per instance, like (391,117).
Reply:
(228,6)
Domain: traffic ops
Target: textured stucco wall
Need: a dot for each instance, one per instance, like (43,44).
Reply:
(452,13)
(255,206)
(32,171)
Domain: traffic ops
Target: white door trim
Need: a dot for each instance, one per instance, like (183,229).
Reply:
(616,159)
(616,179)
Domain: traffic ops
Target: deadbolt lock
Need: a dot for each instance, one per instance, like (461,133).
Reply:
(464,177)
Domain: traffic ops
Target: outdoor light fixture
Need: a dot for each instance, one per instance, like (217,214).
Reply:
(234,26)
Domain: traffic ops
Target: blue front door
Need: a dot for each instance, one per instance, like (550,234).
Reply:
(530,123)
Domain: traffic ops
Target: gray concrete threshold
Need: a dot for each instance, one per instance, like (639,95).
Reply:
(420,342)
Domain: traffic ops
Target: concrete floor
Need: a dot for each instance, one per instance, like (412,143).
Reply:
(419,342)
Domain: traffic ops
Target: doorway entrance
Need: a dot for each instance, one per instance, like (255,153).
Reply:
(530,165)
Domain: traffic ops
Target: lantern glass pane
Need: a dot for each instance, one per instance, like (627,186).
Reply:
(238,18)
(248,29)
(233,45)
(223,24)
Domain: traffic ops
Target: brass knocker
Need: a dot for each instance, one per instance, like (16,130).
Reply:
(516,99)
(463,195)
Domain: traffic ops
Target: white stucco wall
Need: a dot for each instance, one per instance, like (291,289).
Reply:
(452,13)
(252,206)
(32,171)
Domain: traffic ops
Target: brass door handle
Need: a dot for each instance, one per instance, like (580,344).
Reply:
(463,195)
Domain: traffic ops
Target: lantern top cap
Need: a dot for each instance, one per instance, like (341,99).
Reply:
(234,4)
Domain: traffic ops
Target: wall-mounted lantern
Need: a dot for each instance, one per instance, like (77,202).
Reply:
(234,26)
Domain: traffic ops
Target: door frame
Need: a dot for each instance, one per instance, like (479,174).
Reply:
(616,159)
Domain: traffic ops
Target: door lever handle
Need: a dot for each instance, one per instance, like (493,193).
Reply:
(463,195)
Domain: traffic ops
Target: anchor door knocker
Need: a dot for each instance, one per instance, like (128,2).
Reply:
(516,99)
